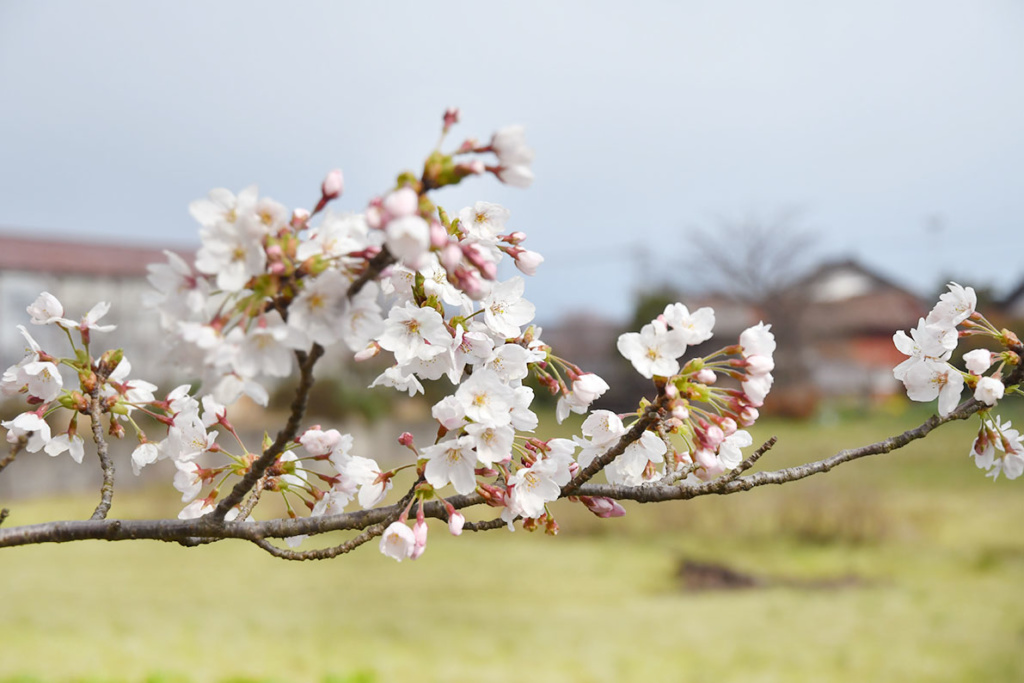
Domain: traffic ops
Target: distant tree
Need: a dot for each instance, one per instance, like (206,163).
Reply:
(757,259)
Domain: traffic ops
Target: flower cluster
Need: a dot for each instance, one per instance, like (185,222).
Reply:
(928,374)
(104,382)
(705,417)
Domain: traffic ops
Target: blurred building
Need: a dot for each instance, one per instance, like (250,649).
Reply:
(80,274)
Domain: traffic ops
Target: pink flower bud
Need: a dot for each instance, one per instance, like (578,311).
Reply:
(419,534)
(371,350)
(748,416)
(710,464)
(680,413)
(474,167)
(515,237)
(400,203)
(405,439)
(451,117)
(728,425)
(481,260)
(527,261)
(706,376)
(712,437)
(438,235)
(299,218)
(333,185)
(978,361)
(603,507)
(451,257)
(374,217)
(455,523)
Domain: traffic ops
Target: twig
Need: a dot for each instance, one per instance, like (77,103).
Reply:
(254,497)
(374,268)
(287,433)
(323,553)
(496,523)
(751,459)
(3,514)
(106,464)
(649,418)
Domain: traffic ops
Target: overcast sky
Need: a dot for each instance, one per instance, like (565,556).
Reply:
(895,128)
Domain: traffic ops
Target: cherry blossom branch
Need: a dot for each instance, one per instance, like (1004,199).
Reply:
(106,464)
(193,529)
(727,484)
(287,433)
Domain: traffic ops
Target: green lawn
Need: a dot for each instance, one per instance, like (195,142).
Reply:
(931,551)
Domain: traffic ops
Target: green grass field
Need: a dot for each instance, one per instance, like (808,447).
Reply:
(906,567)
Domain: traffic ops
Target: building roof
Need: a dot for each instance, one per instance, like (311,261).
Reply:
(21,252)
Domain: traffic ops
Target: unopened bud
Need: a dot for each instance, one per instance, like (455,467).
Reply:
(527,261)
(406,439)
(333,185)
(371,350)
(299,218)
(706,376)
(455,522)
(603,507)
(451,117)
(438,235)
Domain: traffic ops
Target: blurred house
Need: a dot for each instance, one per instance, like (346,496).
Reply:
(848,316)
(80,274)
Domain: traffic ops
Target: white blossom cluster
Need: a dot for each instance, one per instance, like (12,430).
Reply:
(706,418)
(928,374)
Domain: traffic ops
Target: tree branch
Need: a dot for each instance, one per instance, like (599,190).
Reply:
(287,433)
(194,531)
(106,464)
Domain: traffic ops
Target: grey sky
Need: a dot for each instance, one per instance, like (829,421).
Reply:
(897,128)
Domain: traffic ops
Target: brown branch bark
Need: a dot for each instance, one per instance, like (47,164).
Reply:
(106,464)
(287,433)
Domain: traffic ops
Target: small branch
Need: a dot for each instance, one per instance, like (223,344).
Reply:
(649,418)
(16,448)
(374,268)
(287,433)
(106,464)
(254,497)
(749,462)
(323,553)
(497,523)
